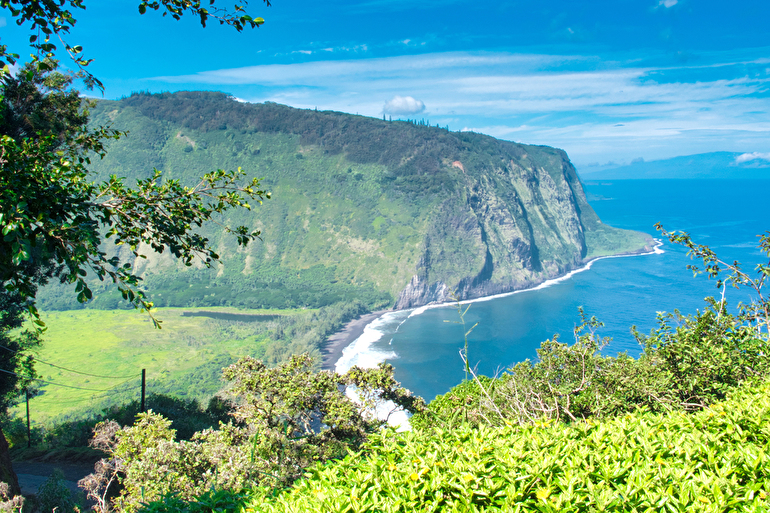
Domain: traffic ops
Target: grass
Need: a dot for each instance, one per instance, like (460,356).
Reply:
(607,240)
(120,343)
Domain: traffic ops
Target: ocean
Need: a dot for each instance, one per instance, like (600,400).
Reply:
(728,215)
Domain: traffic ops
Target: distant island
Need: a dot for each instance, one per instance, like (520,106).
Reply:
(710,166)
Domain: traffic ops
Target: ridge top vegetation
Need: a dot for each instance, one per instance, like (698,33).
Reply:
(392,213)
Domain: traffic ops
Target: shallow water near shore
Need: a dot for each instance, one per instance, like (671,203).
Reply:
(728,215)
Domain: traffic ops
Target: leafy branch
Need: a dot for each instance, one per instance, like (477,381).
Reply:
(759,309)
(49,210)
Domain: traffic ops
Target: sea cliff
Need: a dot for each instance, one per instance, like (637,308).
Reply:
(397,214)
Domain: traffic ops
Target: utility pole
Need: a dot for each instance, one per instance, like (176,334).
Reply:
(29,431)
(144,374)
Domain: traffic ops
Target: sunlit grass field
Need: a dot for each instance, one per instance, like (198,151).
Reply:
(117,344)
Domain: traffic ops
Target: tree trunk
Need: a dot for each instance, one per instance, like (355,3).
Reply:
(7,475)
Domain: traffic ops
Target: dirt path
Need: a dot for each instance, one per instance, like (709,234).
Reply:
(32,474)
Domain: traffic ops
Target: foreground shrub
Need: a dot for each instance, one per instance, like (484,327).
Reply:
(687,363)
(286,419)
(53,495)
(8,502)
(712,460)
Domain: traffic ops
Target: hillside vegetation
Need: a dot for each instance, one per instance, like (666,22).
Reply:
(390,213)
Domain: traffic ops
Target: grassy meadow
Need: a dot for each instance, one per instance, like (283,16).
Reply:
(118,344)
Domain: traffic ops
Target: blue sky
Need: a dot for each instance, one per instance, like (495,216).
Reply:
(605,80)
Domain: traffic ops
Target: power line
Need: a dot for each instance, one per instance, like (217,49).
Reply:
(111,392)
(84,373)
(70,370)
(59,384)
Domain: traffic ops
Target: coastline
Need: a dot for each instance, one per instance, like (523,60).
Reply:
(332,349)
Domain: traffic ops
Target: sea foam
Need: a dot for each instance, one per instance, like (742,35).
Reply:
(363,353)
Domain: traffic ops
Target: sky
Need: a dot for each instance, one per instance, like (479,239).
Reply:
(606,80)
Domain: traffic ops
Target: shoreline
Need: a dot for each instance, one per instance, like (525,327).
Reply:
(332,349)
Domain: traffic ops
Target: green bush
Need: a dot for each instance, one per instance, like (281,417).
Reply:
(289,418)
(53,495)
(208,502)
(686,367)
(712,460)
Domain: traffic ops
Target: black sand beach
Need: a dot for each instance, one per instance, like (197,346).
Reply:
(332,350)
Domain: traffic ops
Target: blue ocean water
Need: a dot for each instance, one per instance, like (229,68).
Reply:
(727,215)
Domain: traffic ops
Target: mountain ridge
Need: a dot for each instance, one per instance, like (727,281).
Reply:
(707,166)
(402,213)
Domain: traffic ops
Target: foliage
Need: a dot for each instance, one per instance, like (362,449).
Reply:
(712,460)
(52,212)
(705,355)
(53,495)
(36,104)
(187,416)
(685,367)
(289,418)
(210,501)
(464,403)
(33,106)
(10,504)
(16,363)
(758,310)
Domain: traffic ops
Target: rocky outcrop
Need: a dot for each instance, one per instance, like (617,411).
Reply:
(521,223)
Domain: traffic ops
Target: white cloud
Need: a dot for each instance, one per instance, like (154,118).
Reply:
(595,111)
(667,3)
(403,106)
(748,157)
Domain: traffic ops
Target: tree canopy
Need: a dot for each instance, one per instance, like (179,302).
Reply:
(51,211)
(54,217)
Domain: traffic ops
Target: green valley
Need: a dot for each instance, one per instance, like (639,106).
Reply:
(107,349)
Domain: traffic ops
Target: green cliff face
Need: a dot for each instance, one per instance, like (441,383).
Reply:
(396,213)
